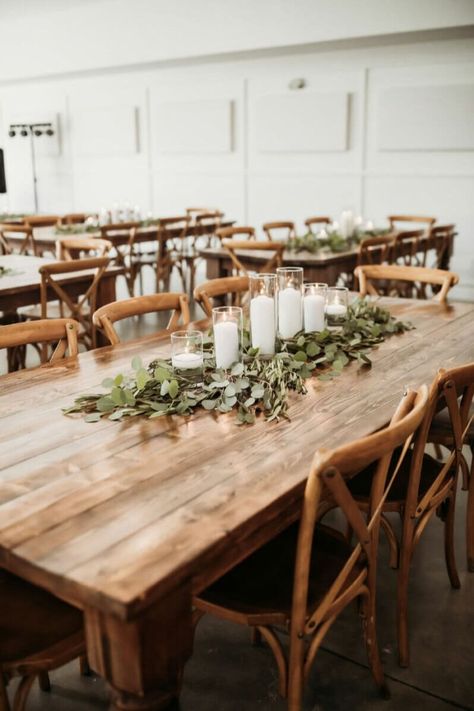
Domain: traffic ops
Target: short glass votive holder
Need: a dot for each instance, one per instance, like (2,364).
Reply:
(262,289)
(337,301)
(187,358)
(290,301)
(227,325)
(314,305)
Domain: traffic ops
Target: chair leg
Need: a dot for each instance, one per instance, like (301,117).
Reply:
(296,673)
(4,703)
(402,603)
(392,540)
(22,692)
(449,553)
(275,645)
(370,636)
(44,682)
(84,667)
(470,519)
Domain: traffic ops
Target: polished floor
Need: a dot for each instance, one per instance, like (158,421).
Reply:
(226,673)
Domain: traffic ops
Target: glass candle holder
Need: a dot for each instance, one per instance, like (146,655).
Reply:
(314,304)
(227,324)
(263,312)
(290,301)
(337,298)
(186,354)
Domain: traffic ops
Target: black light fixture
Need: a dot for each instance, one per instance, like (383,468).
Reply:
(32,130)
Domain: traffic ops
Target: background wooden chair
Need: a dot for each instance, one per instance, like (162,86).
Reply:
(442,243)
(422,487)
(178,303)
(276,260)
(411,219)
(404,281)
(228,233)
(69,248)
(124,252)
(279,231)
(207,293)
(375,250)
(62,332)
(409,248)
(319,222)
(27,246)
(39,634)
(42,220)
(172,249)
(73,218)
(306,576)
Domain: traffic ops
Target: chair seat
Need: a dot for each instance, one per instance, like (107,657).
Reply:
(441,431)
(360,485)
(32,620)
(259,590)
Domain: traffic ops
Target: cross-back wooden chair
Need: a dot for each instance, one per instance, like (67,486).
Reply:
(201,234)
(193,212)
(375,250)
(424,486)
(306,576)
(122,236)
(411,219)
(178,303)
(310,222)
(63,332)
(228,233)
(81,308)
(276,260)
(404,281)
(42,220)
(39,634)
(279,230)
(172,249)
(410,248)
(441,241)
(74,218)
(27,246)
(68,248)
(236,287)
(441,434)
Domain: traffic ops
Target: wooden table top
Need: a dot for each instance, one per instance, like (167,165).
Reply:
(113,515)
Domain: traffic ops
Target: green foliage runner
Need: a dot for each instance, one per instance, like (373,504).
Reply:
(257,385)
(334,242)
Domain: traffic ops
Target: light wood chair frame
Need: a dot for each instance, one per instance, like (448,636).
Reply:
(73,218)
(28,246)
(275,261)
(269,227)
(317,220)
(423,219)
(326,482)
(228,233)
(124,255)
(42,220)
(409,248)
(368,273)
(375,250)
(205,293)
(70,248)
(178,303)
(441,240)
(63,331)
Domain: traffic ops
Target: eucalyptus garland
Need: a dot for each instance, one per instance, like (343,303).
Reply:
(256,385)
(334,242)
(6,271)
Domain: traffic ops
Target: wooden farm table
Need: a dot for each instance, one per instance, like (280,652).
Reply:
(128,520)
(47,237)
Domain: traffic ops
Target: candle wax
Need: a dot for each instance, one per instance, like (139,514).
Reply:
(262,324)
(187,361)
(290,315)
(313,306)
(226,343)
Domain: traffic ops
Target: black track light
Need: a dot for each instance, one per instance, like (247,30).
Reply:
(12,133)
(23,132)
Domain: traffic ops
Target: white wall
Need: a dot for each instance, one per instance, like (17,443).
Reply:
(232,134)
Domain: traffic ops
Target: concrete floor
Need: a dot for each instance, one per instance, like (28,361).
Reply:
(226,673)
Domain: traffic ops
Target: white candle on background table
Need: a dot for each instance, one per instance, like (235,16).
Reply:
(226,343)
(347,224)
(262,324)
(337,310)
(187,361)
(313,306)
(290,316)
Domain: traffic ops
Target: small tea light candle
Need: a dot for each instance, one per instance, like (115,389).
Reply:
(314,306)
(262,324)
(187,361)
(338,310)
(226,343)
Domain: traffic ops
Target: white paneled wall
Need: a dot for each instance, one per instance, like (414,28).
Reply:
(379,130)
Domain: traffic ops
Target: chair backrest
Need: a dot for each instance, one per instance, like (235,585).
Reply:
(68,248)
(107,315)
(82,308)
(275,261)
(61,330)
(27,246)
(368,274)
(42,220)
(74,218)
(205,293)
(279,230)
(428,221)
(231,232)
(310,222)
(193,212)
(409,248)
(326,480)
(375,250)
(442,241)
(119,227)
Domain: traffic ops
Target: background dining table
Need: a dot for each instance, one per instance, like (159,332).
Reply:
(129,520)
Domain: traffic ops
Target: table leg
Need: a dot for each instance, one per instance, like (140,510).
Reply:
(143,659)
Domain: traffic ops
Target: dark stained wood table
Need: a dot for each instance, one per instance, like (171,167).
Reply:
(128,520)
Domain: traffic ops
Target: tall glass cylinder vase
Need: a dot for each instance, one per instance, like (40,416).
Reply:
(314,305)
(263,312)
(227,323)
(290,301)
(187,354)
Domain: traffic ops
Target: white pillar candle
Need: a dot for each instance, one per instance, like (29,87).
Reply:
(290,316)
(187,361)
(226,343)
(262,324)
(313,306)
(338,310)
(347,224)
